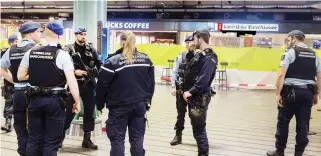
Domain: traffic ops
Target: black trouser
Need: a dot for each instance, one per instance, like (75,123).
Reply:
(301,108)
(20,120)
(88,99)
(181,107)
(8,106)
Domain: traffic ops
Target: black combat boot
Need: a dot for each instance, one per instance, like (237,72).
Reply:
(7,126)
(298,153)
(87,143)
(275,153)
(177,139)
(202,154)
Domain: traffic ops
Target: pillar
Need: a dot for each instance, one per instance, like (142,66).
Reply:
(86,14)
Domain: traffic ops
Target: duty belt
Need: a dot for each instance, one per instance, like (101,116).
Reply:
(38,91)
(308,86)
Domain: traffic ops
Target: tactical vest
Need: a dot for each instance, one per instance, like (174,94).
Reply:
(192,69)
(15,56)
(181,71)
(304,66)
(43,71)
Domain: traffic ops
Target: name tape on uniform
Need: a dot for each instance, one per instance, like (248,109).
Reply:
(128,25)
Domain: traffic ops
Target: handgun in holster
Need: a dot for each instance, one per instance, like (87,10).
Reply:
(197,111)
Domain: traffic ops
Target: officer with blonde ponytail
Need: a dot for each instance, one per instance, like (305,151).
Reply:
(126,86)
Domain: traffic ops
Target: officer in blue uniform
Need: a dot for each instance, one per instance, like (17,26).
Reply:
(11,60)
(84,54)
(198,77)
(46,112)
(126,83)
(8,90)
(177,88)
(296,92)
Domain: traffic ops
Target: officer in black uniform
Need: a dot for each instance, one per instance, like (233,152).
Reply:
(83,54)
(46,112)
(125,85)
(198,77)
(8,90)
(11,60)
(177,87)
(296,92)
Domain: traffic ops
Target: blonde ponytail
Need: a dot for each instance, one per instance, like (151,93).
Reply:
(129,46)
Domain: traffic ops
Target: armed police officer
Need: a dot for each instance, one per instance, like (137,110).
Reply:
(296,92)
(178,90)
(198,77)
(48,68)
(87,63)
(11,60)
(8,90)
(126,86)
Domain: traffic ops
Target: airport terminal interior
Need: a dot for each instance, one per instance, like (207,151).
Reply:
(248,37)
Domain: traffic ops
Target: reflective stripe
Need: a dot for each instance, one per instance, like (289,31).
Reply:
(107,69)
(21,84)
(133,65)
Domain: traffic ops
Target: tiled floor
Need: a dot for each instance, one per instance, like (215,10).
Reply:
(240,123)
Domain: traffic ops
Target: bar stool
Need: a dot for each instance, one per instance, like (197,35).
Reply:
(166,72)
(222,76)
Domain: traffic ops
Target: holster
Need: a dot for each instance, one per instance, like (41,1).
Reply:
(289,89)
(197,110)
(43,92)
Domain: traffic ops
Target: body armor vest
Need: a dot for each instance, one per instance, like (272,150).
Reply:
(15,55)
(304,66)
(192,69)
(43,71)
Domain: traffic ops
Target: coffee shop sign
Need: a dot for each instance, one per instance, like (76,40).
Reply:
(128,25)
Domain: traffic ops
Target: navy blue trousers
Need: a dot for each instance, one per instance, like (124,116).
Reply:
(20,120)
(181,107)
(121,117)
(46,118)
(88,99)
(199,132)
(301,109)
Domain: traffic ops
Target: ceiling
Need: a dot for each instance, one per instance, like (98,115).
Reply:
(162,4)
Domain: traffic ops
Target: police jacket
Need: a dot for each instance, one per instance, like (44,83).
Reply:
(5,82)
(15,55)
(120,83)
(200,72)
(303,66)
(42,60)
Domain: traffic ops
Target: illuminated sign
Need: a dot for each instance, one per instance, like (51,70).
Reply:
(247,27)
(128,25)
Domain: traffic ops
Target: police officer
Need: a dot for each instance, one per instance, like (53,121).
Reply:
(88,56)
(8,90)
(296,92)
(198,77)
(126,82)
(11,60)
(177,88)
(48,69)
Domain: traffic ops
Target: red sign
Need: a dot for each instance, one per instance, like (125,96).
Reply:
(220,26)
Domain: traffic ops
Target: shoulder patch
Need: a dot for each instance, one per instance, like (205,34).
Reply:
(282,57)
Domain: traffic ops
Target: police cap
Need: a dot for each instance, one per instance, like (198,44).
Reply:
(201,31)
(56,27)
(29,27)
(80,30)
(12,38)
(296,33)
(189,38)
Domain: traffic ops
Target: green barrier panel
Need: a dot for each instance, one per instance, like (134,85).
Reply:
(81,113)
